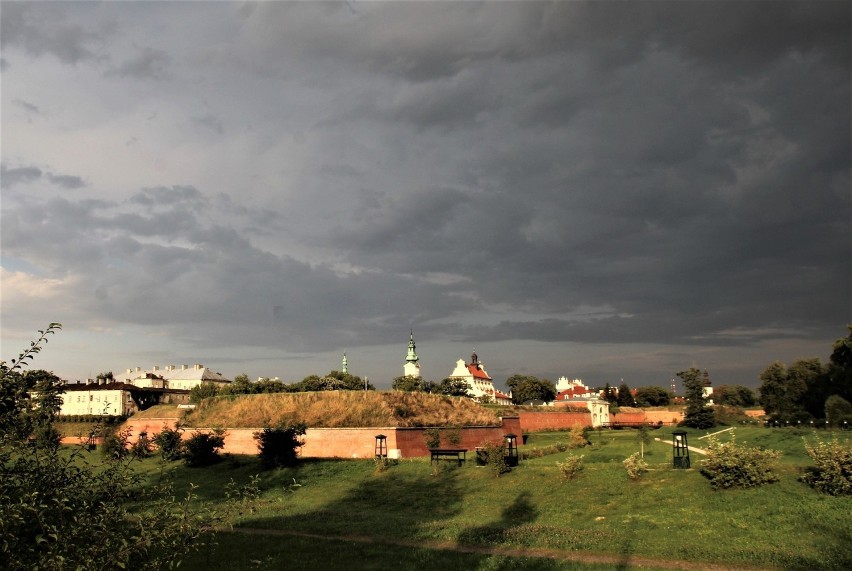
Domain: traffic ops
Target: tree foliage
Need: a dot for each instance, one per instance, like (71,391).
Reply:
(734,395)
(652,396)
(698,414)
(278,447)
(624,397)
(60,513)
(409,384)
(528,388)
(452,388)
(203,391)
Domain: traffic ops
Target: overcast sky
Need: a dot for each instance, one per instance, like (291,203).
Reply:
(598,190)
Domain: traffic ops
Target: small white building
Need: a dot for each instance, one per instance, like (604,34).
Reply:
(598,408)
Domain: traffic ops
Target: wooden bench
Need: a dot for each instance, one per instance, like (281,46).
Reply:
(459,454)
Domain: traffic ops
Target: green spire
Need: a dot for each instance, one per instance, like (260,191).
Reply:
(412,356)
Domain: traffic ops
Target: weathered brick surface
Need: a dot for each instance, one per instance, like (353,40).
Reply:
(347,442)
(532,421)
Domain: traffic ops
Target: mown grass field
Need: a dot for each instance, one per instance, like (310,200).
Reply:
(351,516)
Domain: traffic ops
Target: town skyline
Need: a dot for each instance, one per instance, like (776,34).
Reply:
(601,190)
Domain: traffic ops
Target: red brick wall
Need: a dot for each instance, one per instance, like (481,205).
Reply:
(532,421)
(664,416)
(628,417)
(347,442)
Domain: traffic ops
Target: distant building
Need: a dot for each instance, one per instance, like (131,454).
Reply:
(567,390)
(344,365)
(477,379)
(412,361)
(105,398)
(598,408)
(171,377)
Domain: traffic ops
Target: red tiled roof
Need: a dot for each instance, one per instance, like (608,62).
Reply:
(499,395)
(573,392)
(477,372)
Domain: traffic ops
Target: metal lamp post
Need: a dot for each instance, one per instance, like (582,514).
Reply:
(511,450)
(381,446)
(680,449)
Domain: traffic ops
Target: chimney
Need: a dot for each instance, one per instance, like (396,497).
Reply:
(138,369)
(129,371)
(184,367)
(156,368)
(198,367)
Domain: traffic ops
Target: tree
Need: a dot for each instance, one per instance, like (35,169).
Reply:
(532,388)
(408,384)
(200,392)
(61,513)
(838,410)
(609,394)
(782,395)
(839,374)
(241,385)
(453,388)
(734,395)
(624,397)
(652,396)
(698,414)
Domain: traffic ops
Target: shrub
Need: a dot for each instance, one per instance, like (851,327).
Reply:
(495,458)
(577,437)
(833,471)
(142,447)
(571,467)
(432,437)
(279,447)
(635,466)
(202,448)
(169,443)
(116,444)
(732,465)
(453,435)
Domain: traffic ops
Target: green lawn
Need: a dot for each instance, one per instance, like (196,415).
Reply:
(363,519)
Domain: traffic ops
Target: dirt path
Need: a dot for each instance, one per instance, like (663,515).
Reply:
(620,562)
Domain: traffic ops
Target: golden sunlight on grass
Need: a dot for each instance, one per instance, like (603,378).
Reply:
(340,409)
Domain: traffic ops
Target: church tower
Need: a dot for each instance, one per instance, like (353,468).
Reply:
(412,361)
(344,365)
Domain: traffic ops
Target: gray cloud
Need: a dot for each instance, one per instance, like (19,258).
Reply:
(308,177)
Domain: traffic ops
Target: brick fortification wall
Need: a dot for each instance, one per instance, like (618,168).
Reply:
(532,421)
(347,442)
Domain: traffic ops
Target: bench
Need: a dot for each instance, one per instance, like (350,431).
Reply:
(458,454)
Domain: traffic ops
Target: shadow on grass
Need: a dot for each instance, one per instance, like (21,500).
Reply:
(395,504)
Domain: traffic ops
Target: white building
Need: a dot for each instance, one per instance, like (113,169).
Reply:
(171,377)
(106,398)
(476,377)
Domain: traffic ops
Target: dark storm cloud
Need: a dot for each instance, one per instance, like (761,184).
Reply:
(66,181)
(20,175)
(318,174)
(40,33)
(14,176)
(147,63)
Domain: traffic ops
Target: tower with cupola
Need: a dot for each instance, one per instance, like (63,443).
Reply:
(412,361)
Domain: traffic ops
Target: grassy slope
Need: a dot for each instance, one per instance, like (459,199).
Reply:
(670,514)
(335,409)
